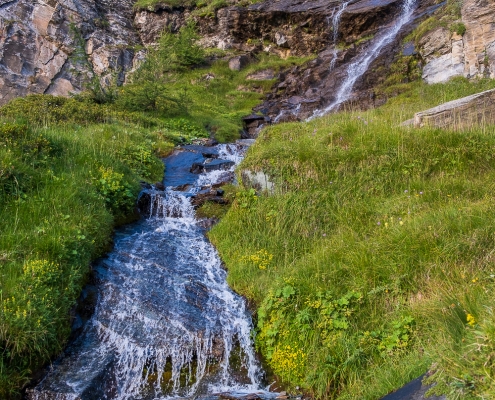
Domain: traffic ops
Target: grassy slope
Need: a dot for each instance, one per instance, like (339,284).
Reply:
(64,183)
(374,257)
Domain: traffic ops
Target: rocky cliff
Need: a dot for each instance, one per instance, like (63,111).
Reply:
(57,47)
(448,54)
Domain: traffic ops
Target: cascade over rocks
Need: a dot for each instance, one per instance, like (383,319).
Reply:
(56,47)
(313,86)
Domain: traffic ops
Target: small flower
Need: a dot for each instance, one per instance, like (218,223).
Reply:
(471,320)
(405,191)
(401,222)
(378,223)
(420,192)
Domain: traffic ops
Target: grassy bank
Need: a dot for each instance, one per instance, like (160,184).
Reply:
(70,171)
(373,258)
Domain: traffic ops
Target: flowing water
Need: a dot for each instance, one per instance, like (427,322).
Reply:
(166,324)
(335,30)
(362,62)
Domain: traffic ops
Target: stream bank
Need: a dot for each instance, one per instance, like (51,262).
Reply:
(165,322)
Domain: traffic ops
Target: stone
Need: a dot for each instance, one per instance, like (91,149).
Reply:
(213,165)
(442,68)
(460,114)
(264,75)
(239,62)
(41,44)
(257,180)
(60,87)
(281,39)
(435,43)
(478,17)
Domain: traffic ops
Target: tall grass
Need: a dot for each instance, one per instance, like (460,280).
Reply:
(373,232)
(63,187)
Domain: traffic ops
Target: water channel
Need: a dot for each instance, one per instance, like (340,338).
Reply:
(166,324)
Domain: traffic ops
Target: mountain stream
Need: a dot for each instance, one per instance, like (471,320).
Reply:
(166,324)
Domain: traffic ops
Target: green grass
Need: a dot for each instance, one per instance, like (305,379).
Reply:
(70,171)
(373,229)
(62,190)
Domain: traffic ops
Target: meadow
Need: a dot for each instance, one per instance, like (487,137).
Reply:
(70,172)
(371,263)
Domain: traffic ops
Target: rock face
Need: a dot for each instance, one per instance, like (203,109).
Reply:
(471,55)
(56,47)
(479,39)
(303,89)
(461,113)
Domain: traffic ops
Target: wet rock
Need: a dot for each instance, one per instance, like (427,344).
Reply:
(214,164)
(461,113)
(409,49)
(183,188)
(252,124)
(200,199)
(209,155)
(159,186)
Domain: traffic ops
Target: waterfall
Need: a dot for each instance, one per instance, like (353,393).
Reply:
(335,30)
(362,62)
(166,324)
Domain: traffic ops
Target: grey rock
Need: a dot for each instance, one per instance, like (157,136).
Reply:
(239,62)
(461,113)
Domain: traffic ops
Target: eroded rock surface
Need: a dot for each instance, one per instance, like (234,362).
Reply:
(471,55)
(56,47)
(461,113)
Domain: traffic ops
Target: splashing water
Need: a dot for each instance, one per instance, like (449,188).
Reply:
(362,62)
(166,324)
(335,30)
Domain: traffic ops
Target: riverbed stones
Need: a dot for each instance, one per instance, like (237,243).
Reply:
(211,164)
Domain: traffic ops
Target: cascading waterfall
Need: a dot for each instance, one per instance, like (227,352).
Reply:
(335,30)
(362,62)
(166,324)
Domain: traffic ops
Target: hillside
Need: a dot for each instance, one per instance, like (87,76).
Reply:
(366,261)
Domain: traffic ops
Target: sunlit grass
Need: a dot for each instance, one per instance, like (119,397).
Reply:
(402,216)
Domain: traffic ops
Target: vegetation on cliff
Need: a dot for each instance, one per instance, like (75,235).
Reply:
(373,257)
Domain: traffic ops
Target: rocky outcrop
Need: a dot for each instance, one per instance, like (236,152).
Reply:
(471,55)
(304,89)
(479,40)
(461,113)
(56,47)
(450,63)
(285,27)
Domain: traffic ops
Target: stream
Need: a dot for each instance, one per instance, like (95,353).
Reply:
(166,324)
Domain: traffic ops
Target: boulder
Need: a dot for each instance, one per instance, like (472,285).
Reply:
(212,165)
(460,114)
(239,62)
(257,180)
